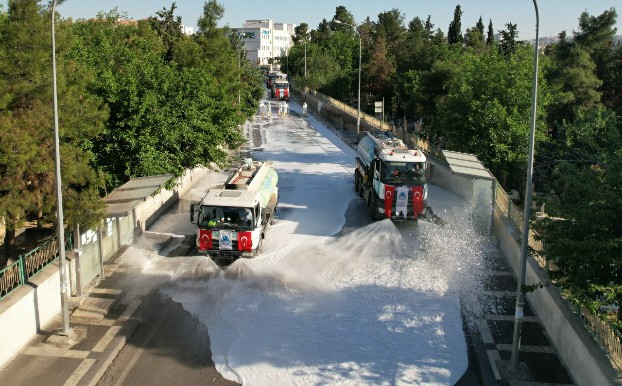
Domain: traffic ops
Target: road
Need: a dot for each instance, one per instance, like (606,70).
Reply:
(172,345)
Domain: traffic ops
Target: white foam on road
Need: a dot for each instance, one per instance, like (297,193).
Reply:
(377,306)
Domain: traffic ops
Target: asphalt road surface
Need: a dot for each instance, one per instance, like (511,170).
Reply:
(172,347)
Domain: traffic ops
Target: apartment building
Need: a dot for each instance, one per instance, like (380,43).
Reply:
(264,40)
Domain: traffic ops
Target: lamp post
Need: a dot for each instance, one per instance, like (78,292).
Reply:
(358,111)
(305,78)
(59,197)
(240,68)
(520,296)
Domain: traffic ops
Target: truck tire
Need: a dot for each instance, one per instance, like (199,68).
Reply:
(372,210)
(358,186)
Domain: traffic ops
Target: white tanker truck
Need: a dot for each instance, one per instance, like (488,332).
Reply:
(232,220)
(391,177)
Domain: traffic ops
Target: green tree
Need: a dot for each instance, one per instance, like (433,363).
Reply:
(573,80)
(490,36)
(454,34)
(342,20)
(207,24)
(164,118)
(474,39)
(480,26)
(508,40)
(168,27)
(612,87)
(301,33)
(487,110)
(583,236)
(409,93)
(27,160)
(390,28)
(595,35)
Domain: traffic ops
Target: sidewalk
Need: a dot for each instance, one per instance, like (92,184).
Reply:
(490,330)
(101,324)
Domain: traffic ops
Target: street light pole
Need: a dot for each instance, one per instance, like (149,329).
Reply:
(358,112)
(520,296)
(305,78)
(59,197)
(240,70)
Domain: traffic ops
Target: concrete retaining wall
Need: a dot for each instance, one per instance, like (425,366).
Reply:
(24,311)
(27,309)
(584,358)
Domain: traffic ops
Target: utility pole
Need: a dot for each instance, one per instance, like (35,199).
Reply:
(59,195)
(520,296)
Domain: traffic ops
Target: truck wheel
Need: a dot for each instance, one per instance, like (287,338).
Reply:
(358,186)
(372,211)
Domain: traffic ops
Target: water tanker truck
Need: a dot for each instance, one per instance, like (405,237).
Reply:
(232,219)
(391,177)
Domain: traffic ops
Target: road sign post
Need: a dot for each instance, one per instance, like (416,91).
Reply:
(379,108)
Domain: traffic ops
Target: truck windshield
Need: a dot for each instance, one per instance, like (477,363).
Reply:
(223,217)
(403,173)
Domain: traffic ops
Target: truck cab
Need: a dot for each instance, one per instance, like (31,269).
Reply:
(232,220)
(391,177)
(280,89)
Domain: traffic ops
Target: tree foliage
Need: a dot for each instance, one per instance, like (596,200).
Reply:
(487,110)
(165,117)
(584,235)
(454,34)
(27,163)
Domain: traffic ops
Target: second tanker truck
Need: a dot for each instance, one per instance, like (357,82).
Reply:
(391,177)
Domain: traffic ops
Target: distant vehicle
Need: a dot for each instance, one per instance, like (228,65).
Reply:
(271,78)
(280,90)
(391,177)
(265,70)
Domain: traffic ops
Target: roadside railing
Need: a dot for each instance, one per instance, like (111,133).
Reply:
(412,139)
(28,265)
(38,258)
(604,332)
(11,278)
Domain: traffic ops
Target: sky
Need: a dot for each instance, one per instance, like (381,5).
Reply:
(555,15)
(379,305)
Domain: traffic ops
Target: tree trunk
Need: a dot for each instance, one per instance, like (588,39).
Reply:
(9,238)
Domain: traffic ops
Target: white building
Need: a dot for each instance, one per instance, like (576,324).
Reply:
(264,39)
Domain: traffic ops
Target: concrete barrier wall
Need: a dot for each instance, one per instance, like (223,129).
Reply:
(584,358)
(24,311)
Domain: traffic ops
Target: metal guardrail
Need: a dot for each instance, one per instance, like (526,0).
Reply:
(38,258)
(11,278)
(515,214)
(604,332)
(28,265)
